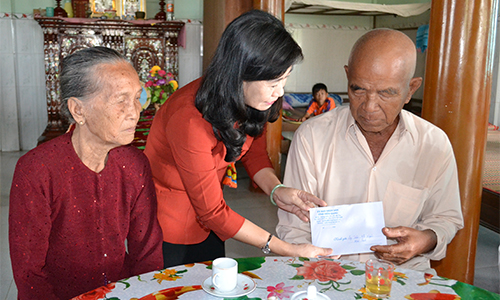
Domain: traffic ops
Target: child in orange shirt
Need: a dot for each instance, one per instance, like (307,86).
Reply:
(320,102)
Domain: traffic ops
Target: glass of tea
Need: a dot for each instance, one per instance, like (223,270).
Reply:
(379,274)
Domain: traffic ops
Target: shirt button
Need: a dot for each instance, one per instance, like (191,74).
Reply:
(105,255)
(374,169)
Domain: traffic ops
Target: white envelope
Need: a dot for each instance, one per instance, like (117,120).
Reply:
(348,229)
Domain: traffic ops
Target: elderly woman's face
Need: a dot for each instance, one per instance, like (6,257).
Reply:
(262,94)
(113,113)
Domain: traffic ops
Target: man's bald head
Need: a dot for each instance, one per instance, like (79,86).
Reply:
(385,47)
(379,78)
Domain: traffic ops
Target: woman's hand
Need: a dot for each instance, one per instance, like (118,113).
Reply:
(254,235)
(308,250)
(289,199)
(296,201)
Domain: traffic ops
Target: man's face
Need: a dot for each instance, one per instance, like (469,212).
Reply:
(377,93)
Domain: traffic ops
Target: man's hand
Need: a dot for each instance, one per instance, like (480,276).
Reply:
(410,243)
(296,201)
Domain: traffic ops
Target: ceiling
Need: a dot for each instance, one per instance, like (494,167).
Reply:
(336,8)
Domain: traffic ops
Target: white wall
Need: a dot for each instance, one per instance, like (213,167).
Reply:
(23,109)
(191,57)
(183,9)
(326,51)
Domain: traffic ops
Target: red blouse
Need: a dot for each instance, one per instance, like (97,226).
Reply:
(68,225)
(188,167)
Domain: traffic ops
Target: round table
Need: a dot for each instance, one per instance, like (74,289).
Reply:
(281,277)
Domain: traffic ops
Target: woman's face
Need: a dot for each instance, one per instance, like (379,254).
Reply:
(263,93)
(112,114)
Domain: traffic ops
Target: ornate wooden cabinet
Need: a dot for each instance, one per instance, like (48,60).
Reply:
(144,43)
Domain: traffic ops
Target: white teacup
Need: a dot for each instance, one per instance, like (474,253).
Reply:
(224,274)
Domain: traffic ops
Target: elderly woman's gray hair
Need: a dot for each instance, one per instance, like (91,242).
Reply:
(78,76)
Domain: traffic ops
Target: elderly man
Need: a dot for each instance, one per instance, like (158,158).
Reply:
(375,151)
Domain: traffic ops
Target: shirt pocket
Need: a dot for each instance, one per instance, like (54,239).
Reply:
(402,204)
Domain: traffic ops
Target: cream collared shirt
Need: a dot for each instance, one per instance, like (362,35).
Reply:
(415,177)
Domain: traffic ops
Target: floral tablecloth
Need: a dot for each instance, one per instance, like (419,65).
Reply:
(281,277)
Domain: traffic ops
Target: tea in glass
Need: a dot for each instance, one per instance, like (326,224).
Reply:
(379,276)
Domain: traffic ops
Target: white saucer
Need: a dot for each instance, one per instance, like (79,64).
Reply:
(245,286)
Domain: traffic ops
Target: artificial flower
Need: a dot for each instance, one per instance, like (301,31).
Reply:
(154,69)
(160,84)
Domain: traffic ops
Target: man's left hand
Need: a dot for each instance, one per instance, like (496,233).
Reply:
(410,243)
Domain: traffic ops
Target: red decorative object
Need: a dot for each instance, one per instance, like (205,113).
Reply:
(161,15)
(59,11)
(80,8)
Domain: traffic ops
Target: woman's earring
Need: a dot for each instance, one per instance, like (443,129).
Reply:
(81,122)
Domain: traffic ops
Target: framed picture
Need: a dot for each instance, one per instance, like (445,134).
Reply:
(129,7)
(123,8)
(100,6)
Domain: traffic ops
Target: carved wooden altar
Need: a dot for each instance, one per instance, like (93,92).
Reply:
(144,43)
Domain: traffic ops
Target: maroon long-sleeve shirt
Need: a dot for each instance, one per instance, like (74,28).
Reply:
(68,224)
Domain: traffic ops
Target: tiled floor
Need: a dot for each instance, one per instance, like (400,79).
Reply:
(253,206)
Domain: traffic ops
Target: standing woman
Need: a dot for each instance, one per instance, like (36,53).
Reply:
(213,121)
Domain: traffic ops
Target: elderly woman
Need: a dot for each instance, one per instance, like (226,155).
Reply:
(76,200)
(212,122)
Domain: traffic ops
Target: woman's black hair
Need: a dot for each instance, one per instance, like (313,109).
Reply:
(78,76)
(255,46)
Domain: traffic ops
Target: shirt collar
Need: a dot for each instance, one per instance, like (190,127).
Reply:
(407,125)
(350,124)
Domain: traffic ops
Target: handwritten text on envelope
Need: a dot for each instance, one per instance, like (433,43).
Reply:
(348,229)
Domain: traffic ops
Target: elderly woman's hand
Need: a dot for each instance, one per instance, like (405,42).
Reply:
(296,201)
